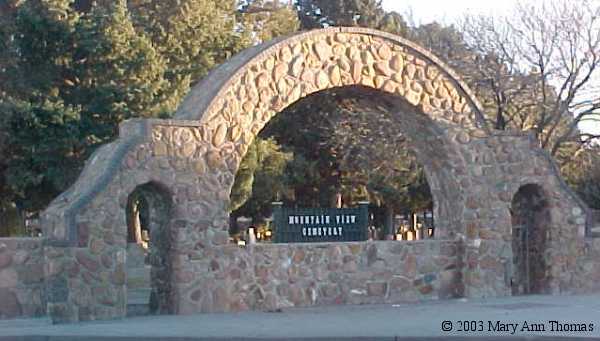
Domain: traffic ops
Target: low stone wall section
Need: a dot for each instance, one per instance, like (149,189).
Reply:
(272,276)
(21,278)
(587,267)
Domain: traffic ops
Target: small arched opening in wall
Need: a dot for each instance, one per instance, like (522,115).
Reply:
(149,209)
(530,214)
(413,145)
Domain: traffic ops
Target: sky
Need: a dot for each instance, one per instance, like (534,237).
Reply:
(449,11)
(446,11)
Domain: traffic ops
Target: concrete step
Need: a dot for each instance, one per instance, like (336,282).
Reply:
(138,310)
(138,277)
(139,271)
(138,296)
(138,302)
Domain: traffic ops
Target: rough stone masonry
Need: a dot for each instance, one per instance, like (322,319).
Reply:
(190,161)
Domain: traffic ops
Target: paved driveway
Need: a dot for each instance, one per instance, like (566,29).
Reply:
(522,317)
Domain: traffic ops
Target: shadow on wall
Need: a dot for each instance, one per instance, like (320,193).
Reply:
(530,222)
(149,209)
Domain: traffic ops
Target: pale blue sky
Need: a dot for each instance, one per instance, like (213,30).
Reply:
(449,11)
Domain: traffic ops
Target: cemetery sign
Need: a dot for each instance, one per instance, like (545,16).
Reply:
(297,225)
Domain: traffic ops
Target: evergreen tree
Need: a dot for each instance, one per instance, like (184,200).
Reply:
(83,74)
(72,71)
(41,54)
(260,179)
(363,13)
(192,36)
(267,19)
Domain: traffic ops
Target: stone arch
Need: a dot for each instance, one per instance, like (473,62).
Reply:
(531,225)
(149,267)
(197,154)
(236,100)
(241,95)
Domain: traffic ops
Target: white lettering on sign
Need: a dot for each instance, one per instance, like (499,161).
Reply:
(320,219)
(315,226)
(345,219)
(321,231)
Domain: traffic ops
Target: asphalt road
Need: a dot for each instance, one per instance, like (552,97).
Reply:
(520,318)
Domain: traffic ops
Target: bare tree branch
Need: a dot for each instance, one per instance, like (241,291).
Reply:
(544,75)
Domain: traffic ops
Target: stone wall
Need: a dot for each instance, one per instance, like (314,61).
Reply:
(501,164)
(586,268)
(273,276)
(87,283)
(21,278)
(488,170)
(474,174)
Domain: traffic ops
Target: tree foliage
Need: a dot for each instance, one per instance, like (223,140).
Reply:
(584,176)
(363,13)
(534,71)
(192,36)
(72,71)
(545,60)
(346,147)
(259,179)
(267,19)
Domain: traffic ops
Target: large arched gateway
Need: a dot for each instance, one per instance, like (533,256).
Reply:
(473,172)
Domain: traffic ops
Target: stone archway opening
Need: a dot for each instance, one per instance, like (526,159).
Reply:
(387,120)
(149,209)
(530,214)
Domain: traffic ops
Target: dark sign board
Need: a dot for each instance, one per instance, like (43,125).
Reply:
(297,225)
